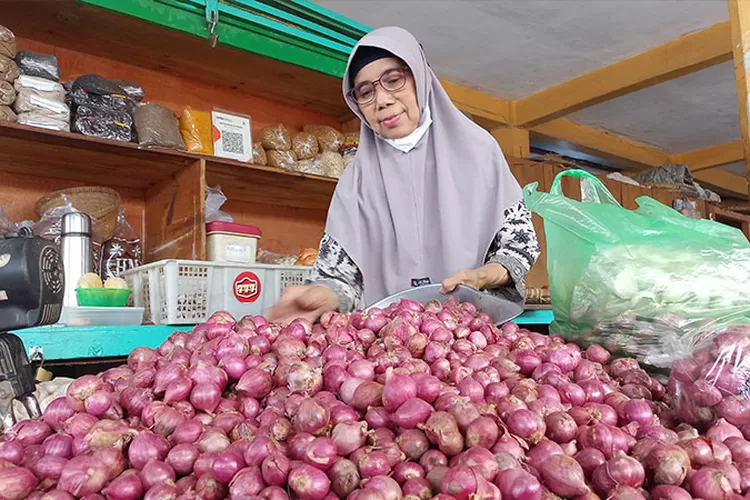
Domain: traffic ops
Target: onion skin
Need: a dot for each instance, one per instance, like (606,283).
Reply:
(620,470)
(668,464)
(517,484)
(563,476)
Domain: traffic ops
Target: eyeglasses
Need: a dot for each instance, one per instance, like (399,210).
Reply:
(392,80)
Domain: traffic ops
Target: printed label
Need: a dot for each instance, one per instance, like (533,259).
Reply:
(420,281)
(236,253)
(247,287)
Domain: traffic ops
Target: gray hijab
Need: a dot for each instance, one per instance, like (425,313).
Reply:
(427,213)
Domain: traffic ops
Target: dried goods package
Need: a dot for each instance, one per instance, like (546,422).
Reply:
(7,114)
(122,252)
(131,89)
(8,69)
(53,90)
(329,139)
(44,103)
(195,128)
(156,126)
(106,124)
(7,42)
(281,159)
(305,145)
(95,90)
(275,137)
(40,119)
(37,64)
(333,164)
(7,93)
(312,166)
(259,154)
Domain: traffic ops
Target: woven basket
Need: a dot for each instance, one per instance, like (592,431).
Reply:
(100,203)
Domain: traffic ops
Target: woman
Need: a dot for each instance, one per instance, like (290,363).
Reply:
(428,198)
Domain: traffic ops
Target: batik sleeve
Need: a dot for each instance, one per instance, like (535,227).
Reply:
(337,271)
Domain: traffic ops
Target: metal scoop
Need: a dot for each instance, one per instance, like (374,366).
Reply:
(499,309)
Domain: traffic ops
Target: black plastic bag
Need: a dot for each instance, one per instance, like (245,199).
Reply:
(39,65)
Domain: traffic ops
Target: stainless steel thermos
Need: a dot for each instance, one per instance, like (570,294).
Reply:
(75,250)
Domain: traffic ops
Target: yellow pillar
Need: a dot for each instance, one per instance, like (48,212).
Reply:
(739,18)
(513,141)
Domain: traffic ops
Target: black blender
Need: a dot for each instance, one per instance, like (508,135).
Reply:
(31,294)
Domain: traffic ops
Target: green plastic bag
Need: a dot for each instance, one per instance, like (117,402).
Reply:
(645,283)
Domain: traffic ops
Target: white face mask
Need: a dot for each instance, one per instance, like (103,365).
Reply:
(406,144)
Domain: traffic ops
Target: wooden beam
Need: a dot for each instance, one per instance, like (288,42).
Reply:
(514,142)
(497,111)
(711,157)
(739,18)
(723,180)
(625,151)
(679,57)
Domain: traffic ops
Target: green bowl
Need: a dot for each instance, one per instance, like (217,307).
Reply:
(102,297)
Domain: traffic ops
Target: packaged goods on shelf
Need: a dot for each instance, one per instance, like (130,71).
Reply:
(7,93)
(305,145)
(8,69)
(312,166)
(121,252)
(329,139)
(232,242)
(7,114)
(37,64)
(273,258)
(215,198)
(30,99)
(349,147)
(106,124)
(40,119)
(306,257)
(195,128)
(281,159)
(112,102)
(259,154)
(333,164)
(7,42)
(232,135)
(275,137)
(157,126)
(52,90)
(131,89)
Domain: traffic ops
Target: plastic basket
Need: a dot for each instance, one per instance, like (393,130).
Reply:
(183,292)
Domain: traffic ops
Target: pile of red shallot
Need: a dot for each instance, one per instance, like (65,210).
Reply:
(414,402)
(714,382)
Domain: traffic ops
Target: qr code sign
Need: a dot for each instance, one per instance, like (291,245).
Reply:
(232,142)
(232,138)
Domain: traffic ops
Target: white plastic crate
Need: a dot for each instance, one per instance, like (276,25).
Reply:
(182,292)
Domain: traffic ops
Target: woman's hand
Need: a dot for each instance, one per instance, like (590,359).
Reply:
(309,302)
(488,276)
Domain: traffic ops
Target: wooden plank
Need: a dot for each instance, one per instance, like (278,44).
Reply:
(739,17)
(139,44)
(679,57)
(625,151)
(721,179)
(614,187)
(63,155)
(176,216)
(473,102)
(711,157)
(514,142)
(630,193)
(269,185)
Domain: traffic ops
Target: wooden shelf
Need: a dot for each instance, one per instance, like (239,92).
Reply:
(99,32)
(64,155)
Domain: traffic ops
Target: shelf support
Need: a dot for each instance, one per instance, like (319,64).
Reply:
(513,141)
(739,18)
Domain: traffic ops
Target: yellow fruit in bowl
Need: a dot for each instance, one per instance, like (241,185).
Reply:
(90,280)
(116,283)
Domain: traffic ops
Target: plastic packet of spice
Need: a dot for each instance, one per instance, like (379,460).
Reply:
(8,69)
(7,42)
(122,252)
(42,119)
(281,159)
(131,89)
(114,102)
(95,122)
(195,128)
(156,126)
(32,82)
(333,164)
(7,93)
(259,154)
(312,166)
(329,138)
(305,145)
(7,114)
(37,64)
(275,137)
(30,100)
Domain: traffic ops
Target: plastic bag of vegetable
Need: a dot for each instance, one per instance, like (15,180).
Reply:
(640,281)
